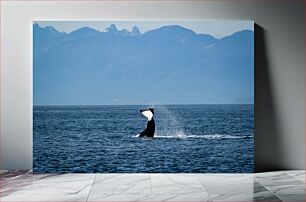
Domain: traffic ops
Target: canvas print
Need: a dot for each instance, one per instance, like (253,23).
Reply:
(143,97)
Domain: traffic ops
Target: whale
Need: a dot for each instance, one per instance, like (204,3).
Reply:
(150,130)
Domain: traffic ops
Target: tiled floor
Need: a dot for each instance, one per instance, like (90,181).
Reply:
(272,186)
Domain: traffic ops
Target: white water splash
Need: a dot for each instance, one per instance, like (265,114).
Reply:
(212,136)
(168,124)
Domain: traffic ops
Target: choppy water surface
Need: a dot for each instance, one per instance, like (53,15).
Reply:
(189,138)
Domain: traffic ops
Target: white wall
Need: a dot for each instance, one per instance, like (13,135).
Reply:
(279,67)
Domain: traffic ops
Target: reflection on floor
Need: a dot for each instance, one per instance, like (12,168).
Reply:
(271,186)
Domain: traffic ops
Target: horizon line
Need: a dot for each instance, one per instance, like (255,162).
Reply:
(134,104)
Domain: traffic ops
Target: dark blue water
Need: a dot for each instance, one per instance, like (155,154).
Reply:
(189,138)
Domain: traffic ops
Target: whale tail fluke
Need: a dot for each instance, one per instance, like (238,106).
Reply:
(150,130)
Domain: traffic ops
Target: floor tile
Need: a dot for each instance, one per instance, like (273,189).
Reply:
(286,186)
(265,198)
(282,183)
(43,198)
(48,184)
(176,184)
(245,198)
(230,197)
(291,197)
(150,198)
(3,171)
(297,174)
(220,184)
(116,184)
(16,180)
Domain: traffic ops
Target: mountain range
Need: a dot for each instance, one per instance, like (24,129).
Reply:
(167,65)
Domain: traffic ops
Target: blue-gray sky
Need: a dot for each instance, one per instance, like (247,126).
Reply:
(218,29)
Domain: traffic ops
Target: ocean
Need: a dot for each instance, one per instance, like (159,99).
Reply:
(103,139)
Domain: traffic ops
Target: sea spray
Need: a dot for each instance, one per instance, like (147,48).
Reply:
(168,123)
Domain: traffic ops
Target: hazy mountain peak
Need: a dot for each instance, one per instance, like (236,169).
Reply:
(112,29)
(52,29)
(83,32)
(124,32)
(171,31)
(208,36)
(35,25)
(135,31)
(48,29)
(86,29)
(177,28)
(244,32)
(37,28)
